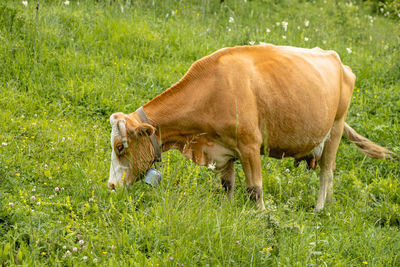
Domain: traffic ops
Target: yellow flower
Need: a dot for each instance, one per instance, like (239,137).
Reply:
(364,262)
(43,253)
(197,14)
(105,252)
(270,248)
(87,205)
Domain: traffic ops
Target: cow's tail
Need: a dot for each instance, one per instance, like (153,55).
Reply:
(365,145)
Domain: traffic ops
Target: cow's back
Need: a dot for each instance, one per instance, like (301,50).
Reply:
(290,96)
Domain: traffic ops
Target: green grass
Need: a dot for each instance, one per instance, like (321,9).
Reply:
(92,60)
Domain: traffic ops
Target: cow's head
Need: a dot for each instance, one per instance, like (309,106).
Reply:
(132,152)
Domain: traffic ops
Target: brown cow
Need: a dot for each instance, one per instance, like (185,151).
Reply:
(238,103)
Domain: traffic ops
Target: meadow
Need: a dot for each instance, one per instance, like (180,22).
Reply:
(65,71)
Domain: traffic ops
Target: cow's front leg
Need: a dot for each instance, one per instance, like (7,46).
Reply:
(251,162)
(228,179)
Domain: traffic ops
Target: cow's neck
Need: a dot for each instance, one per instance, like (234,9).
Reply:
(172,113)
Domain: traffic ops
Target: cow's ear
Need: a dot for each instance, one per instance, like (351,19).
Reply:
(145,129)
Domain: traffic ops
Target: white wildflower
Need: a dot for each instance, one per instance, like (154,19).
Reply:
(25,3)
(4,144)
(306,23)
(324,41)
(348,50)
(211,166)
(231,20)
(252,43)
(66,3)
(268,30)
(306,39)
(284,37)
(284,25)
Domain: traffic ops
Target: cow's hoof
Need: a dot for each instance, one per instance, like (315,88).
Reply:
(111,186)
(319,207)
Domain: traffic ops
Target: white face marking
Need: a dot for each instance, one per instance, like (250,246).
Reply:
(117,171)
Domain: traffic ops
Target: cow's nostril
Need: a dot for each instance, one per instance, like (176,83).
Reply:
(111,186)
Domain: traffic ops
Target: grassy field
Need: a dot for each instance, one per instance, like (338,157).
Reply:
(62,78)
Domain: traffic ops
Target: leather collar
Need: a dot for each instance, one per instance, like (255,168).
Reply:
(153,139)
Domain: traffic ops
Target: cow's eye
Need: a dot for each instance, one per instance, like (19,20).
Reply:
(120,149)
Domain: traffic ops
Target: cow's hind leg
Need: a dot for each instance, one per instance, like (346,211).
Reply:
(327,164)
(228,179)
(251,163)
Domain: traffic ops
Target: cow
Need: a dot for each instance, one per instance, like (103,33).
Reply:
(240,103)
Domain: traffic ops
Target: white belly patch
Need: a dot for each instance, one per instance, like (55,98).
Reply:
(210,154)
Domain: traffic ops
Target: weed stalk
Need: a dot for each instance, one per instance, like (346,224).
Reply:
(36,23)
